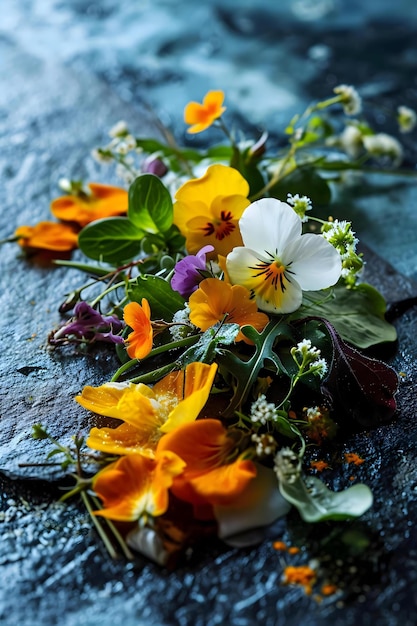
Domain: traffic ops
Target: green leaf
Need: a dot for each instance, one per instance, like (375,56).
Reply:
(247,371)
(163,300)
(150,204)
(206,348)
(112,240)
(306,182)
(316,503)
(357,314)
(247,167)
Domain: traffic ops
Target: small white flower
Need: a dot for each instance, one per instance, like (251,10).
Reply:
(351,141)
(300,204)
(287,466)
(407,119)
(119,129)
(101,156)
(277,262)
(319,367)
(265,444)
(262,411)
(383,146)
(351,102)
(65,184)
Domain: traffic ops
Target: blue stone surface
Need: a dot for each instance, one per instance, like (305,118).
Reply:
(69,70)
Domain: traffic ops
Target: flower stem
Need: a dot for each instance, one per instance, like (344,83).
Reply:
(181,343)
(103,536)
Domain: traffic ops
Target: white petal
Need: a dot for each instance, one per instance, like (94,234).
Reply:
(241,264)
(315,262)
(238,262)
(269,225)
(258,505)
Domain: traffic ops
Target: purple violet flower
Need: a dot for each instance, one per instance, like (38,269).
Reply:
(156,166)
(188,273)
(87,324)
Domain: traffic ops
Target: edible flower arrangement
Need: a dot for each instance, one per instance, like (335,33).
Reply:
(240,318)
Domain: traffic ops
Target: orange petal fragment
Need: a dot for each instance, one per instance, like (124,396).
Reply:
(47,236)
(104,201)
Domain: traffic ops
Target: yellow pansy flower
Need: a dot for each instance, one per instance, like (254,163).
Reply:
(207,210)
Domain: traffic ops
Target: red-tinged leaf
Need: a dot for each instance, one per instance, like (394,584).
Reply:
(360,388)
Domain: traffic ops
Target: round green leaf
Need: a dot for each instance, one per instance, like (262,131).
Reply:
(113,240)
(150,204)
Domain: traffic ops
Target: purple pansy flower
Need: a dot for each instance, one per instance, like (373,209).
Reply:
(188,272)
(89,325)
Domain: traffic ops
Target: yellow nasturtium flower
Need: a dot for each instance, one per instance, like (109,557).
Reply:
(207,210)
(147,413)
(201,116)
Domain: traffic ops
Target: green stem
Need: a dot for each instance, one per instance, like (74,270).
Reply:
(154,375)
(10,239)
(181,343)
(118,537)
(103,536)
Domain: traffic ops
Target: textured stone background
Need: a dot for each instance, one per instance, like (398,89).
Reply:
(69,70)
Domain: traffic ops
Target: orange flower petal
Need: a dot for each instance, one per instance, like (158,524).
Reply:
(201,116)
(205,447)
(214,299)
(47,236)
(104,201)
(135,485)
(138,317)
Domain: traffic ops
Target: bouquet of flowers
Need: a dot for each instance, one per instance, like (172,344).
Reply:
(239,318)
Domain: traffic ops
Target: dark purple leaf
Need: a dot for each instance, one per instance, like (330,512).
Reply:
(358,387)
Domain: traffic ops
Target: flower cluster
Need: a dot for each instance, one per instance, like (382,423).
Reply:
(229,307)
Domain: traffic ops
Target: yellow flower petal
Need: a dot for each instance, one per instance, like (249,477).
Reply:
(193,389)
(207,209)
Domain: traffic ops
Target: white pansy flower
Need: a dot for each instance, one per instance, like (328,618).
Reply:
(277,262)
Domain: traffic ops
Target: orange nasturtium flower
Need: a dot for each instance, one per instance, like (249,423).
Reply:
(215,301)
(207,210)
(135,485)
(201,116)
(214,473)
(147,412)
(47,236)
(138,317)
(103,201)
